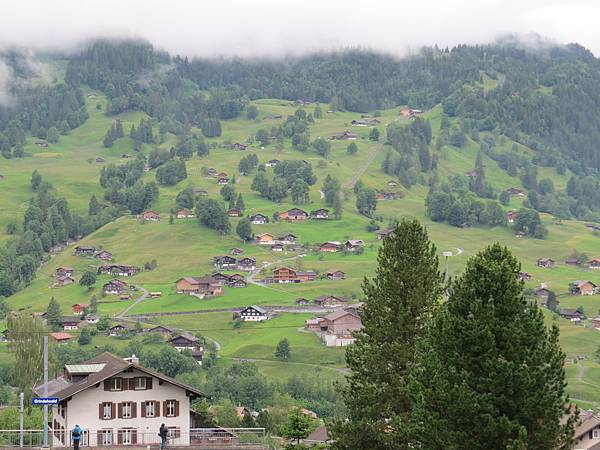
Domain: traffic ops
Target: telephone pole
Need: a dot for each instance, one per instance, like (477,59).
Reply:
(45,391)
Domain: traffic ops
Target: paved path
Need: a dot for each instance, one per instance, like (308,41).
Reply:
(282,309)
(142,297)
(364,166)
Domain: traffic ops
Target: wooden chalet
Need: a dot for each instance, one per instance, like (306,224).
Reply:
(115,287)
(238,146)
(301,301)
(511,216)
(352,245)
(237,282)
(120,270)
(61,337)
(546,262)
(335,275)
(221,278)
(365,122)
(382,234)
(286,239)
(259,219)
(253,314)
(185,214)
(542,292)
(342,323)
(78,309)
(84,251)
(100,159)
(277,247)
(345,136)
(246,264)
(222,178)
(594,263)
(64,280)
(330,246)
(518,192)
(583,287)
(64,271)
(104,255)
(320,214)
(272,163)
(572,262)
(524,276)
(392,183)
(185,341)
(198,286)
(264,239)
(70,323)
(117,329)
(234,212)
(151,216)
(294,214)
(330,301)
(289,275)
(571,314)
(212,172)
(225,262)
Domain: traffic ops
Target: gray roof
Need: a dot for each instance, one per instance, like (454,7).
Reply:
(113,365)
(257,308)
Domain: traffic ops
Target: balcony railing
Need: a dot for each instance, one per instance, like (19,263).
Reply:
(226,438)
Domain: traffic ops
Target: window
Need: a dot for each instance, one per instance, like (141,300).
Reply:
(170,408)
(126,410)
(107,411)
(127,437)
(106,437)
(140,383)
(595,433)
(116,384)
(150,409)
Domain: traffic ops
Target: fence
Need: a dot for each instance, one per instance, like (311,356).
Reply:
(232,438)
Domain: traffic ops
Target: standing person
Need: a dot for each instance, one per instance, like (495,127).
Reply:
(163,433)
(76,436)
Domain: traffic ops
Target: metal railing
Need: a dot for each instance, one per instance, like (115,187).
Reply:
(232,438)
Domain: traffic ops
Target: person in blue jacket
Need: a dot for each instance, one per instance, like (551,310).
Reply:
(76,434)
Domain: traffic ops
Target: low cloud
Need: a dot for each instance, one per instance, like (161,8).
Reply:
(275,27)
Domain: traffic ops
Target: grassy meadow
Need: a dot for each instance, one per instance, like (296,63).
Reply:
(186,248)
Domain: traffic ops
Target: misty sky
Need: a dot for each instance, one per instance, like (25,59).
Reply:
(276,27)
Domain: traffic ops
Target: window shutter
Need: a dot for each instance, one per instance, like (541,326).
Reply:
(107,385)
(143,414)
(177,432)
(101,411)
(165,408)
(113,410)
(148,382)
(176,408)
(133,410)
(128,383)
(98,438)
(134,436)
(156,408)
(120,437)
(120,409)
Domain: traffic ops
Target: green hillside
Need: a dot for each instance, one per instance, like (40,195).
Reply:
(186,248)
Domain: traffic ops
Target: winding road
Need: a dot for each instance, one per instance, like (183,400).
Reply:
(142,297)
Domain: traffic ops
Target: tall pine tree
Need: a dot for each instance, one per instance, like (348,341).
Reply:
(489,374)
(399,301)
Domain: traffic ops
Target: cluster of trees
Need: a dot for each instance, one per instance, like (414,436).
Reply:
(528,221)
(171,172)
(291,176)
(212,213)
(124,187)
(44,111)
(422,370)
(412,155)
(143,133)
(333,195)
(189,144)
(366,199)
(114,132)
(248,163)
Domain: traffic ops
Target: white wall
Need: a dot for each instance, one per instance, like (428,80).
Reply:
(82,409)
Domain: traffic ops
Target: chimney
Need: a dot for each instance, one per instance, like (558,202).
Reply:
(132,359)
